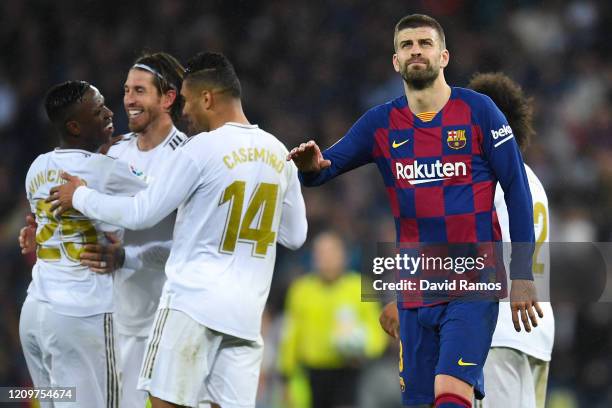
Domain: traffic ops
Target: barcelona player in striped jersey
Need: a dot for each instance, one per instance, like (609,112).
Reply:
(441,151)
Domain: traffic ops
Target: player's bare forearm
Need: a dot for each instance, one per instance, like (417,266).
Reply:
(61,196)
(523,301)
(308,157)
(389,320)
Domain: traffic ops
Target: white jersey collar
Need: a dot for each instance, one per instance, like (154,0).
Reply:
(241,125)
(60,150)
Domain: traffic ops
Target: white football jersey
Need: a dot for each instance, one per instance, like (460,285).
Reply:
(57,277)
(539,342)
(236,197)
(139,284)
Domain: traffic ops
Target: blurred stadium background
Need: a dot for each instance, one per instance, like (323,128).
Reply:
(308,70)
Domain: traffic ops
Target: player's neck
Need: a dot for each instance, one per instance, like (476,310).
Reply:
(431,99)
(77,145)
(155,133)
(233,113)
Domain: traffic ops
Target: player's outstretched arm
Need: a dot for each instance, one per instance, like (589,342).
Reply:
(27,236)
(523,302)
(308,157)
(147,207)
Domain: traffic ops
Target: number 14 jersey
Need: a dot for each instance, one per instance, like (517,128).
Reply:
(236,197)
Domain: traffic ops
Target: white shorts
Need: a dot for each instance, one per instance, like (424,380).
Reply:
(187,363)
(68,351)
(513,379)
(131,352)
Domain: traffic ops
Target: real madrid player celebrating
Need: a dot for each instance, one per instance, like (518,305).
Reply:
(66,326)
(153,104)
(236,199)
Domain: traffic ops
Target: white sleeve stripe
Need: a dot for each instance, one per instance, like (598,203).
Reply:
(503,141)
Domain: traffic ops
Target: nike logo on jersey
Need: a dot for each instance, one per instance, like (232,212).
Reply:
(396,145)
(463,363)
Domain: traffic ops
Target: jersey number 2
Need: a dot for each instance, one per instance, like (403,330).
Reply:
(238,228)
(539,217)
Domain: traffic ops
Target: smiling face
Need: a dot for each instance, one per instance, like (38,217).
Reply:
(93,120)
(419,56)
(141,100)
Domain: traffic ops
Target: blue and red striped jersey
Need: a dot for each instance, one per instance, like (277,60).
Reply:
(440,175)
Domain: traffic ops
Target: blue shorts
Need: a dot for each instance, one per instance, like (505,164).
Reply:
(452,339)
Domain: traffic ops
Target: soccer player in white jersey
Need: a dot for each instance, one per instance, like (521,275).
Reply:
(66,326)
(516,370)
(153,104)
(236,198)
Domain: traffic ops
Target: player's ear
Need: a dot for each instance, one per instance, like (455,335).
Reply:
(206,99)
(444,58)
(168,99)
(396,64)
(73,127)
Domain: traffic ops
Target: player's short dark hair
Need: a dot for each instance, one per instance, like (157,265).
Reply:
(213,69)
(168,75)
(62,97)
(511,100)
(416,21)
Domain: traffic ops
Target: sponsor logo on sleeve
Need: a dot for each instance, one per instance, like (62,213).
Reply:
(502,135)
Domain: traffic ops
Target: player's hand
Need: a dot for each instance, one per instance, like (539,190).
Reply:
(389,320)
(308,157)
(61,196)
(27,236)
(104,258)
(523,301)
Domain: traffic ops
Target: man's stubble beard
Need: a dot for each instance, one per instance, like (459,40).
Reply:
(137,127)
(419,79)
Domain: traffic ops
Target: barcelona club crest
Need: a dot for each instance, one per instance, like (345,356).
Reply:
(456,139)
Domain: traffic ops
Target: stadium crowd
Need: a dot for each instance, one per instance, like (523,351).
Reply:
(308,70)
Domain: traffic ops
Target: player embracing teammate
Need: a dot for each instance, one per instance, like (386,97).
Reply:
(236,198)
